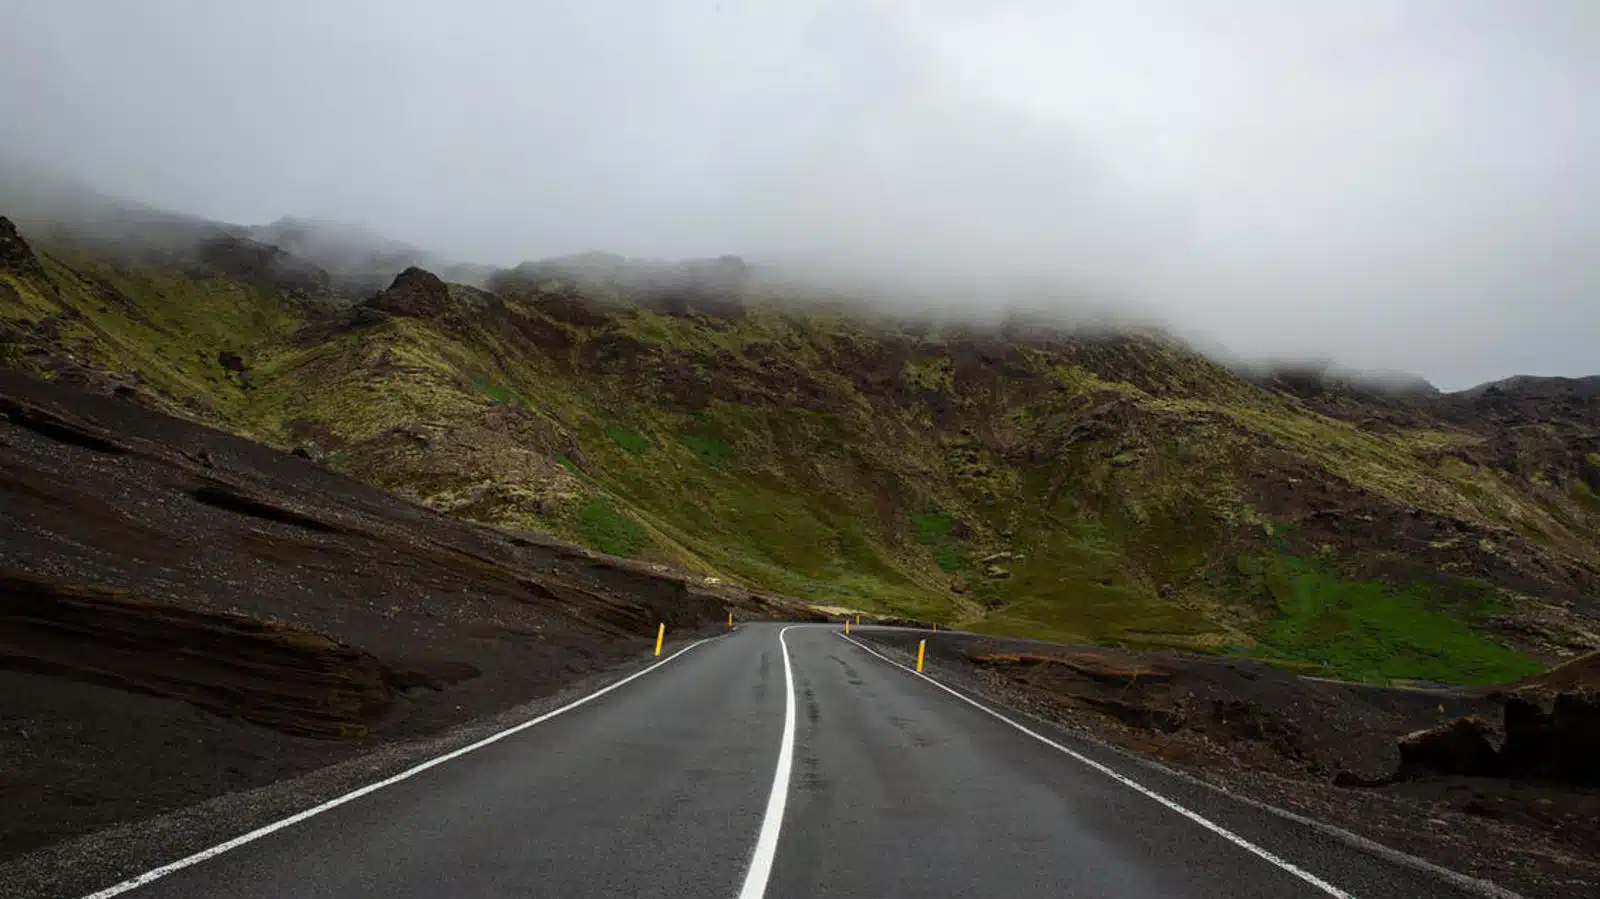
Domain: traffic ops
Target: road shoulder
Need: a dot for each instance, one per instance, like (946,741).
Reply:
(126,850)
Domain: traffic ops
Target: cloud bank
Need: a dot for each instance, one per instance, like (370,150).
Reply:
(1400,185)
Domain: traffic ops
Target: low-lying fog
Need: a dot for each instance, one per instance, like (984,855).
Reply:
(1395,185)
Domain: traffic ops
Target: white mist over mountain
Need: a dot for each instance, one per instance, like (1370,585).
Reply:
(1392,185)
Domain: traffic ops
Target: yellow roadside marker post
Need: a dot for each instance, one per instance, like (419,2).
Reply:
(661,633)
(730,621)
(847,626)
(858,620)
(936,627)
(922,647)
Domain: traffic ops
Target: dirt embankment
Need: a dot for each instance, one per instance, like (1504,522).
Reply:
(1501,787)
(184,613)
(287,678)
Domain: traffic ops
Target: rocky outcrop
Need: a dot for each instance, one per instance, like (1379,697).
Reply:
(1526,400)
(1462,746)
(1556,741)
(16,256)
(415,293)
(1552,733)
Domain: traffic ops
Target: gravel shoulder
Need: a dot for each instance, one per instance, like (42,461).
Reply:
(1317,750)
(116,853)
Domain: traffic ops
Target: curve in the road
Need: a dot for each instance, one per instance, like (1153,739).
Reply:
(755,880)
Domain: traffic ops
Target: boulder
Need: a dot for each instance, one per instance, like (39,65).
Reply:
(1555,740)
(15,254)
(415,293)
(1462,746)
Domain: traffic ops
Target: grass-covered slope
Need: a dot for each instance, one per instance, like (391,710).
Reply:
(1110,488)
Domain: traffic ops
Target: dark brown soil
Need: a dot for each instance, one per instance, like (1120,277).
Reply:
(1329,751)
(287,678)
(184,613)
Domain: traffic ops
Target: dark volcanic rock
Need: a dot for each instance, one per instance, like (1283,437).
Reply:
(15,254)
(1552,733)
(416,293)
(283,677)
(1560,744)
(1527,400)
(1459,747)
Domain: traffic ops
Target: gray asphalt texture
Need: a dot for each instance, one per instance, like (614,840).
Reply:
(898,789)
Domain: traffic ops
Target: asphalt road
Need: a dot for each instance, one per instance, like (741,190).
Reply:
(672,785)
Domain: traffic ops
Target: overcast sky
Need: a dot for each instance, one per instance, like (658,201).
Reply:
(1411,184)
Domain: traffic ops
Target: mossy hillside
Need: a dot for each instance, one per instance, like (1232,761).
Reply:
(797,522)
(362,382)
(1100,592)
(1378,632)
(402,370)
(164,325)
(829,455)
(1123,550)
(1172,513)
(611,531)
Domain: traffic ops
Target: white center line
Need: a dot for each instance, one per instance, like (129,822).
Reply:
(258,833)
(1207,823)
(755,880)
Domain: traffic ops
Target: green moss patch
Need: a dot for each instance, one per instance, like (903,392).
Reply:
(1585,496)
(609,530)
(709,450)
(573,469)
(934,530)
(1372,632)
(629,440)
(493,391)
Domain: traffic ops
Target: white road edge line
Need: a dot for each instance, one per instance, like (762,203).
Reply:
(755,880)
(158,873)
(1126,781)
